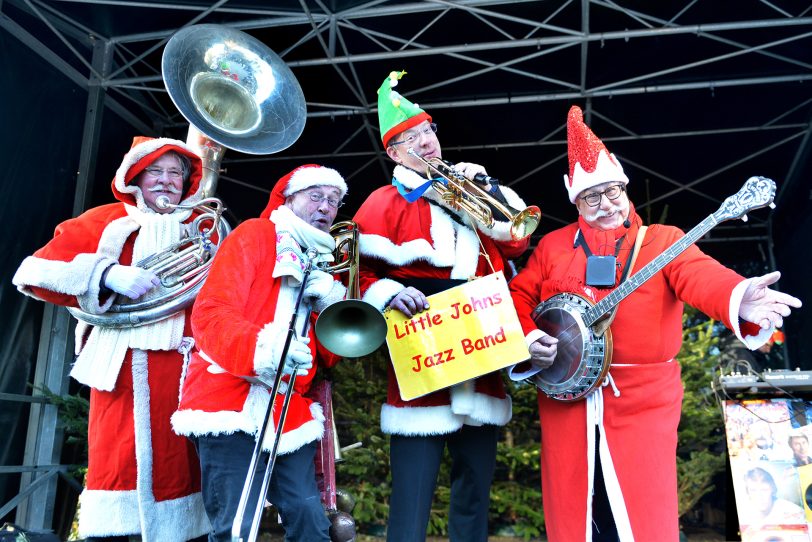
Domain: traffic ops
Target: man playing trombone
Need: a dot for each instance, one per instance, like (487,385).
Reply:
(414,244)
(242,325)
(141,477)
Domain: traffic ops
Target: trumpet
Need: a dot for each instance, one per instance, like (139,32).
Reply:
(461,193)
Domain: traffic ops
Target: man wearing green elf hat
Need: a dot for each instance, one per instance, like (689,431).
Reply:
(413,244)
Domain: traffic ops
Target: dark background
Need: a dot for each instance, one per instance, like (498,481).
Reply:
(692,97)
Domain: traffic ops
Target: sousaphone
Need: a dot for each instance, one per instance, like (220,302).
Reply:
(236,93)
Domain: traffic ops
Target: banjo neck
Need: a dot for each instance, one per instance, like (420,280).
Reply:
(597,311)
(757,192)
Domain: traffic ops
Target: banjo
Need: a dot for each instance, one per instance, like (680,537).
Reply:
(582,327)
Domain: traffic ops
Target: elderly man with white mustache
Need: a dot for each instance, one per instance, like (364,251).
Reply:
(141,478)
(609,461)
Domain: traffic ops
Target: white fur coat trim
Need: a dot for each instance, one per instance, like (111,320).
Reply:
(452,245)
(304,434)
(79,277)
(440,420)
(381,293)
(751,341)
(270,340)
(315,176)
(130,512)
(110,513)
(199,423)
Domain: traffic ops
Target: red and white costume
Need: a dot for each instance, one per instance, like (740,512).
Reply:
(637,423)
(400,241)
(141,478)
(241,320)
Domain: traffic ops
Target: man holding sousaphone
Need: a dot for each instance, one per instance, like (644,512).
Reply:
(414,243)
(619,442)
(255,308)
(141,477)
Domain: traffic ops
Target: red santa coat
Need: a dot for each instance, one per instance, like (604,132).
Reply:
(242,310)
(420,240)
(141,478)
(638,425)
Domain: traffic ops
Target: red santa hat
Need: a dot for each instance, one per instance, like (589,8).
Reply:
(143,152)
(301,178)
(590,163)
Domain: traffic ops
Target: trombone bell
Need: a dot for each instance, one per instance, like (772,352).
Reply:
(351,328)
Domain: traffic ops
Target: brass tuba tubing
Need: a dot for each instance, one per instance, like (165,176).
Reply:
(463,194)
(257,109)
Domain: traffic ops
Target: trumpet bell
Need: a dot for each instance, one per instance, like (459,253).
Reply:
(525,223)
(351,328)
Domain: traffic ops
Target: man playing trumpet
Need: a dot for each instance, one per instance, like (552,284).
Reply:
(241,321)
(141,477)
(414,244)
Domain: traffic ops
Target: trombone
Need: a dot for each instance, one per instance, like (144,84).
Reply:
(461,193)
(348,328)
(236,526)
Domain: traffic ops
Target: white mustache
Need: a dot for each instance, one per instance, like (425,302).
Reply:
(168,188)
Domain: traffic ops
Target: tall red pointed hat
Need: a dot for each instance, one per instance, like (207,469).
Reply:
(590,163)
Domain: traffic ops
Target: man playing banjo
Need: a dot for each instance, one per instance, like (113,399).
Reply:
(621,445)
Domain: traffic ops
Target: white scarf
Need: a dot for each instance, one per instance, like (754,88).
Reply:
(101,358)
(294,238)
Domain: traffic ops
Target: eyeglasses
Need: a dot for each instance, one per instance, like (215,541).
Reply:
(611,193)
(157,172)
(315,197)
(411,137)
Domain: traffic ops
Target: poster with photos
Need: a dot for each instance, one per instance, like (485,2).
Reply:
(771,466)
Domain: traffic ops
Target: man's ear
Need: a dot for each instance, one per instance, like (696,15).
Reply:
(393,154)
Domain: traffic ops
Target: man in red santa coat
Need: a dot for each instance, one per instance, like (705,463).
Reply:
(141,477)
(621,446)
(240,322)
(413,244)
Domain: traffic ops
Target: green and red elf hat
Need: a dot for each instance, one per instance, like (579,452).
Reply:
(395,113)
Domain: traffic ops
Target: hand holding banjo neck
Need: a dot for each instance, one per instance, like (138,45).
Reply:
(584,347)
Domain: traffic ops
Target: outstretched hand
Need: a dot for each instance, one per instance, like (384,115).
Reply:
(765,307)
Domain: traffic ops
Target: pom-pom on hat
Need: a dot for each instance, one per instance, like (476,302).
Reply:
(590,163)
(301,178)
(396,113)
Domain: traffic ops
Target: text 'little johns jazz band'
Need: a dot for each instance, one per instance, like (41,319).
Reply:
(429,321)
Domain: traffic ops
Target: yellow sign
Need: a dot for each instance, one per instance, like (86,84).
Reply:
(468,331)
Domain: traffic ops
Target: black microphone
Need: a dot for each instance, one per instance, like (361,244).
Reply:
(627,224)
(485,179)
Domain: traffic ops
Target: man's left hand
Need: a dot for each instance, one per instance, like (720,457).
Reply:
(763,306)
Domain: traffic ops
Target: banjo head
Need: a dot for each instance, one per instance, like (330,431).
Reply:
(582,359)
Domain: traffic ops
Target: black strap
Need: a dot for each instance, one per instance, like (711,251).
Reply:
(579,240)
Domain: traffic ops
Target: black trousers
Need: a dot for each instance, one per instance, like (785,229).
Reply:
(603,523)
(415,462)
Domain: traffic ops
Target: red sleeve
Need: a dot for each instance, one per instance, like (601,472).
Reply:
(222,322)
(525,289)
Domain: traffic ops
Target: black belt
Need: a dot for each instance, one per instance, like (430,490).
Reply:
(430,286)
